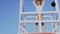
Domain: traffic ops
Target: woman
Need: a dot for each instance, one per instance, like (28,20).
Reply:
(39,6)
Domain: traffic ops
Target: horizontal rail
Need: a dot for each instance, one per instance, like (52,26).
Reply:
(49,12)
(52,21)
(41,33)
(35,16)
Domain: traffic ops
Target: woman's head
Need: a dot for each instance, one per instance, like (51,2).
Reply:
(39,2)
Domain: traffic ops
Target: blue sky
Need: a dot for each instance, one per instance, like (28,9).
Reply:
(9,15)
(9,11)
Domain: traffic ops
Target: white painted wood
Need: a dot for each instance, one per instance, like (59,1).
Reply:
(23,29)
(57,32)
(21,6)
(34,16)
(30,17)
(52,21)
(57,27)
(57,6)
(22,33)
(28,21)
(40,32)
(51,12)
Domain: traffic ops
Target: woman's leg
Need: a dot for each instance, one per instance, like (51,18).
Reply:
(37,17)
(36,27)
(43,27)
(41,18)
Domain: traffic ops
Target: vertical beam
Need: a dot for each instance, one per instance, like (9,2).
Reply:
(53,29)
(21,6)
(57,6)
(19,28)
(57,9)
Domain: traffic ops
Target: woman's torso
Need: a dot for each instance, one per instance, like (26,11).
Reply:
(39,8)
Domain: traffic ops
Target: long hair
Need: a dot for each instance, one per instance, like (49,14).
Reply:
(39,1)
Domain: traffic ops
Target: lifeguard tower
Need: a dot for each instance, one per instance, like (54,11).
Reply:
(55,23)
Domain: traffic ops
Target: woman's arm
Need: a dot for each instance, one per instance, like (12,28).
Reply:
(43,3)
(34,3)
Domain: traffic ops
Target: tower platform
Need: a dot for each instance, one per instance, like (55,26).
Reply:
(41,33)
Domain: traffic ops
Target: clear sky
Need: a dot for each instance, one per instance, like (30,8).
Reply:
(9,15)
(9,11)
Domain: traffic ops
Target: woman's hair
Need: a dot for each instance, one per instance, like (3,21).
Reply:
(39,1)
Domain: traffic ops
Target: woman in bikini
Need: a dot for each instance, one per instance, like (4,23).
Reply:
(39,6)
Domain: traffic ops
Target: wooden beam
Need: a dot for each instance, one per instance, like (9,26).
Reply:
(49,12)
(41,33)
(48,21)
